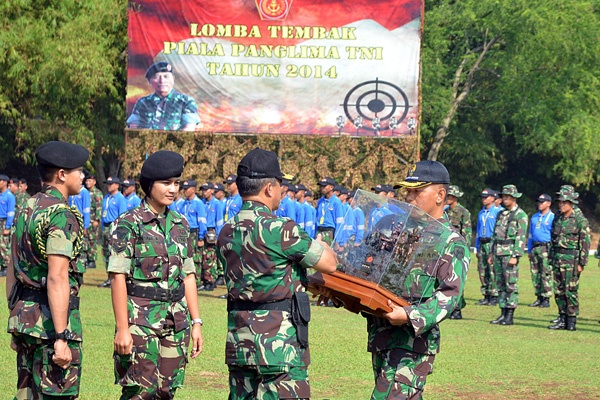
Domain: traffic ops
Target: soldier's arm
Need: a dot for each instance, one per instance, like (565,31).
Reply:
(452,274)
(584,243)
(59,291)
(123,343)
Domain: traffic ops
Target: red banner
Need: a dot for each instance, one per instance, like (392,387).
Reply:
(325,67)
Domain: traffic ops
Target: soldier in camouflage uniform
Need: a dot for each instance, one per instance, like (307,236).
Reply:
(569,254)
(405,342)
(94,230)
(266,260)
(22,195)
(460,219)
(166,108)
(44,280)
(509,244)
(154,287)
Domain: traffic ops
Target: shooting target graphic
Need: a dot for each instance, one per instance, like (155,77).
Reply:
(376,101)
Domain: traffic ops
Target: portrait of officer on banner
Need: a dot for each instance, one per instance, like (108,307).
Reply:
(166,109)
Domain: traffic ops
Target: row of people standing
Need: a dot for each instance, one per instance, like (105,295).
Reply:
(557,247)
(13,196)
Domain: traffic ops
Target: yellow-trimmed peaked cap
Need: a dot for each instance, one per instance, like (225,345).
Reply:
(59,154)
(260,164)
(158,67)
(163,164)
(425,173)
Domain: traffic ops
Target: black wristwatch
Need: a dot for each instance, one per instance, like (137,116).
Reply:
(64,335)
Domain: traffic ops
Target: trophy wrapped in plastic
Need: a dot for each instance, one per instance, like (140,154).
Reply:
(399,245)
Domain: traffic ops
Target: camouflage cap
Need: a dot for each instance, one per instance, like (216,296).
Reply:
(158,67)
(567,193)
(454,190)
(511,190)
(425,173)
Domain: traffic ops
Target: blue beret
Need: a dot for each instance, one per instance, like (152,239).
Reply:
(163,164)
(61,155)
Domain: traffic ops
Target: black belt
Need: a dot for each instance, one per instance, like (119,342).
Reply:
(194,230)
(243,305)
(505,241)
(41,297)
(325,229)
(485,240)
(107,224)
(154,293)
(538,244)
(565,251)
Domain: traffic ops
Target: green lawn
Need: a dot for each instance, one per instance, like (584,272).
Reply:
(477,361)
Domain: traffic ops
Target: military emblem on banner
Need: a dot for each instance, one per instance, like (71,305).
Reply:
(273,9)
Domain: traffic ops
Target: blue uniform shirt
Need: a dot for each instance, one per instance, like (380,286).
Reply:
(358,229)
(177,205)
(540,229)
(310,219)
(82,202)
(7,207)
(233,205)
(330,213)
(299,218)
(112,207)
(376,214)
(486,221)
(347,224)
(214,214)
(286,209)
(133,201)
(195,212)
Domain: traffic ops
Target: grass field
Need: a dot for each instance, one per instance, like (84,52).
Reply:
(477,361)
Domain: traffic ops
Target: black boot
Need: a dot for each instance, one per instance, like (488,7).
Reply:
(536,303)
(91,264)
(560,324)
(508,317)
(571,321)
(484,301)
(220,281)
(545,302)
(500,318)
(456,314)
(493,301)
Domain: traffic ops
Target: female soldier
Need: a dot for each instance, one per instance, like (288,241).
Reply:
(153,287)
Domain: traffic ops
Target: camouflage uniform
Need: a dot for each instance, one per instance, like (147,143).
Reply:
(570,248)
(509,240)
(403,356)
(30,321)
(265,259)
(94,233)
(170,113)
(460,219)
(21,199)
(153,259)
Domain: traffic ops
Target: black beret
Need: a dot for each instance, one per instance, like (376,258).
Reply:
(159,67)
(23,181)
(163,164)
(89,176)
(61,155)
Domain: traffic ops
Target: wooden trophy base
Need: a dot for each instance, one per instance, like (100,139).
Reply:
(357,294)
